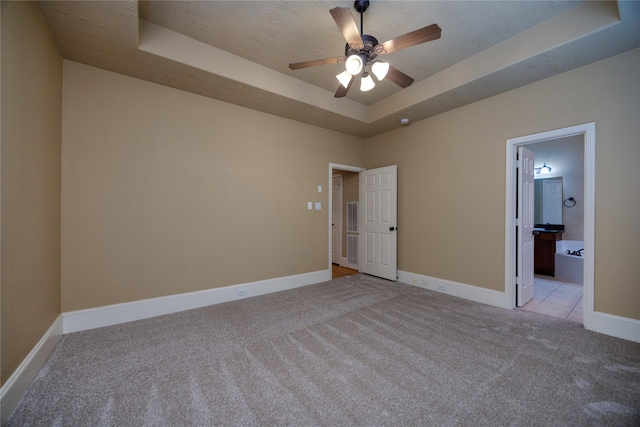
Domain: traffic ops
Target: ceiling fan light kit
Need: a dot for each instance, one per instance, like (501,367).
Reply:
(366,82)
(354,64)
(380,69)
(344,78)
(362,49)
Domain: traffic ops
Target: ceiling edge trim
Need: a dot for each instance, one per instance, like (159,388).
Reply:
(160,41)
(558,31)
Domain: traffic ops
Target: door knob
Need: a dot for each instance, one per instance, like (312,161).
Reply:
(391,228)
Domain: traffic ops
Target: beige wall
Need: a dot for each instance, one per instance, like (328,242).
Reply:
(452,180)
(164,191)
(30,181)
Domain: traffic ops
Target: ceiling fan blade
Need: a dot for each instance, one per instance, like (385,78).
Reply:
(398,77)
(342,91)
(348,27)
(315,63)
(423,35)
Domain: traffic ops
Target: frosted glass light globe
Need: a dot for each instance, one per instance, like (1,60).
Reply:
(354,65)
(366,83)
(380,69)
(344,78)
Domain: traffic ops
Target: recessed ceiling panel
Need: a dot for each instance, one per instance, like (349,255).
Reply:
(276,33)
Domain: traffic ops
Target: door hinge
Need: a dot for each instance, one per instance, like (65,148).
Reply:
(517,222)
(517,280)
(518,163)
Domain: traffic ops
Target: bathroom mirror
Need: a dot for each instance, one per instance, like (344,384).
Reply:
(548,200)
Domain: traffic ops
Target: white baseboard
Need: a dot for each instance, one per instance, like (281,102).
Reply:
(608,324)
(16,386)
(616,326)
(461,290)
(98,317)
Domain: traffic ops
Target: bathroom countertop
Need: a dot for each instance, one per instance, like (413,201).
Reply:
(542,230)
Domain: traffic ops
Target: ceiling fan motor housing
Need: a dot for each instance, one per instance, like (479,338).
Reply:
(367,53)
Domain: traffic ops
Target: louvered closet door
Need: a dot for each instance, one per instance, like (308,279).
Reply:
(352,236)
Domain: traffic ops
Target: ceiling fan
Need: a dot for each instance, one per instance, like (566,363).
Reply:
(361,51)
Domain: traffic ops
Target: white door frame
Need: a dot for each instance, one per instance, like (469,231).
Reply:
(588,130)
(337,167)
(333,256)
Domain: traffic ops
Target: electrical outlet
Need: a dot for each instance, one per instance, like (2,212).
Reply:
(242,292)
(415,280)
(441,287)
(424,282)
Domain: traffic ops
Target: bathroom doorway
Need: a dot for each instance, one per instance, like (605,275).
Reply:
(552,290)
(558,201)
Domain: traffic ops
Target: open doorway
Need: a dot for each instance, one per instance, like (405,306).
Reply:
(558,205)
(586,134)
(343,237)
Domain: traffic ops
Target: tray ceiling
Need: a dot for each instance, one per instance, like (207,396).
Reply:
(239,51)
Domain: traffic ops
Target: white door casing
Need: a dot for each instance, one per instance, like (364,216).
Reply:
(525,225)
(378,220)
(588,132)
(333,169)
(336,219)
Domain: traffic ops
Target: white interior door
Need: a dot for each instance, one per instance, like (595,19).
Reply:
(525,224)
(336,219)
(379,213)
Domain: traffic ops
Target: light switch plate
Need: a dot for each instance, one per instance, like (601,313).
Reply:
(310,205)
(318,206)
(319,188)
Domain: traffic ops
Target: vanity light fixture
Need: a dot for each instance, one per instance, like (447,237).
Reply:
(543,169)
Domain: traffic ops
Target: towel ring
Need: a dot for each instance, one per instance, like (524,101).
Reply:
(569,203)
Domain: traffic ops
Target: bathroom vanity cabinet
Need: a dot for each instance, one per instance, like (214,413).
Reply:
(544,250)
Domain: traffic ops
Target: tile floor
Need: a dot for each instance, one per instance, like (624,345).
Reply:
(556,298)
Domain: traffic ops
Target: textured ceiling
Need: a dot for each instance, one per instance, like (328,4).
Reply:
(239,51)
(274,34)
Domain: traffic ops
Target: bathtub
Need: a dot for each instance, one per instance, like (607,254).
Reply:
(569,267)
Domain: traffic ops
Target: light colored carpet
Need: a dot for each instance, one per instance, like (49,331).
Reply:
(353,351)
